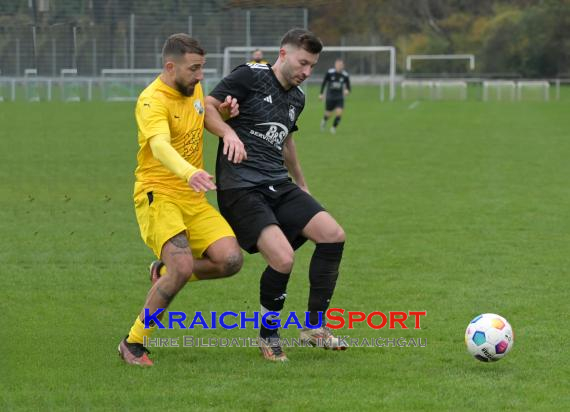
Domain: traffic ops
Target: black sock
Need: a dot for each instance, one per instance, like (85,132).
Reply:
(323,273)
(336,121)
(325,118)
(272,288)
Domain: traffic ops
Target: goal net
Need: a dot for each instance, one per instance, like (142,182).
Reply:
(70,87)
(498,90)
(533,90)
(32,87)
(127,84)
(367,65)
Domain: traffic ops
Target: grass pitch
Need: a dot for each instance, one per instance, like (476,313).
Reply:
(456,208)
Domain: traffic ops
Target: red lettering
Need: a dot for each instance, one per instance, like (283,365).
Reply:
(372,325)
(400,320)
(417,316)
(354,317)
(339,319)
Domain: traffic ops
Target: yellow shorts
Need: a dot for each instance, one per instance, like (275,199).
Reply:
(161,217)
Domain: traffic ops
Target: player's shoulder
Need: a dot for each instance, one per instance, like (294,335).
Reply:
(331,70)
(345,73)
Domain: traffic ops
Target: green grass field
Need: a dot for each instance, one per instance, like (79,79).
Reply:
(456,208)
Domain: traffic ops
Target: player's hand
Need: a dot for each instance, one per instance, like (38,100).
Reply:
(346,93)
(202,181)
(229,108)
(320,97)
(234,148)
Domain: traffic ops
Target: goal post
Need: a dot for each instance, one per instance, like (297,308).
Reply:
(414,57)
(242,51)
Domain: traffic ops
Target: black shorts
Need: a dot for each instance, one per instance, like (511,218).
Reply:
(250,210)
(334,103)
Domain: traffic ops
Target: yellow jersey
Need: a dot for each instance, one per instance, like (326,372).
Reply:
(161,109)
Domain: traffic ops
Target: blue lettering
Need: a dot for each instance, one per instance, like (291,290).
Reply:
(244,319)
(274,321)
(308,324)
(176,317)
(151,320)
(292,320)
(198,320)
(223,323)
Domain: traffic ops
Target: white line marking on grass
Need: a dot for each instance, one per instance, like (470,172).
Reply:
(414,105)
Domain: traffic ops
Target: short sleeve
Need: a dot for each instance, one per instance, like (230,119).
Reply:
(152,118)
(236,84)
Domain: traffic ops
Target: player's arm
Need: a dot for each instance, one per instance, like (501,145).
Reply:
(292,163)
(162,150)
(323,85)
(215,123)
(347,89)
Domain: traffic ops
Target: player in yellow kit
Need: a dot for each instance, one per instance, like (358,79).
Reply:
(186,233)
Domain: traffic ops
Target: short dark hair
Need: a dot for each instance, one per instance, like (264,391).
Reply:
(303,39)
(179,44)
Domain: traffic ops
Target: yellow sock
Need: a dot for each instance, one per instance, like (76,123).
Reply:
(138,332)
(163,272)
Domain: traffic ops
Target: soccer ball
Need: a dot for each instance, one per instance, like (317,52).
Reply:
(489,337)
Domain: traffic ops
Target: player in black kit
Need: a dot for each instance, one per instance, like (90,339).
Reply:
(268,212)
(337,83)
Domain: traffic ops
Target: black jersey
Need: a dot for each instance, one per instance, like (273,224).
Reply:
(334,82)
(268,114)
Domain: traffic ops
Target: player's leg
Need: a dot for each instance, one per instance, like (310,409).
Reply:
(257,230)
(325,118)
(177,255)
(162,228)
(223,258)
(301,218)
(279,255)
(329,238)
(213,243)
(338,114)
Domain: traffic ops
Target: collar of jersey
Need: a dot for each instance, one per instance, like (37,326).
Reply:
(277,80)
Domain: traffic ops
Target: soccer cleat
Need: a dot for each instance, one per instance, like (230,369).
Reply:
(134,353)
(271,348)
(333,130)
(322,338)
(154,270)
(323,124)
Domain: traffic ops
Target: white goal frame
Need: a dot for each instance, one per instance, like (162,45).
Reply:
(534,84)
(498,84)
(411,57)
(390,49)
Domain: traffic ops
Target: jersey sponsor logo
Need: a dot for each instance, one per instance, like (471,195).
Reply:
(275,135)
(198,106)
(292,113)
(268,99)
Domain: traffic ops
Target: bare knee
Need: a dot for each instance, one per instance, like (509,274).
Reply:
(181,271)
(338,235)
(232,263)
(283,261)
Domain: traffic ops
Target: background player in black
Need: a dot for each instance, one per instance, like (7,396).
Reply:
(268,212)
(337,83)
